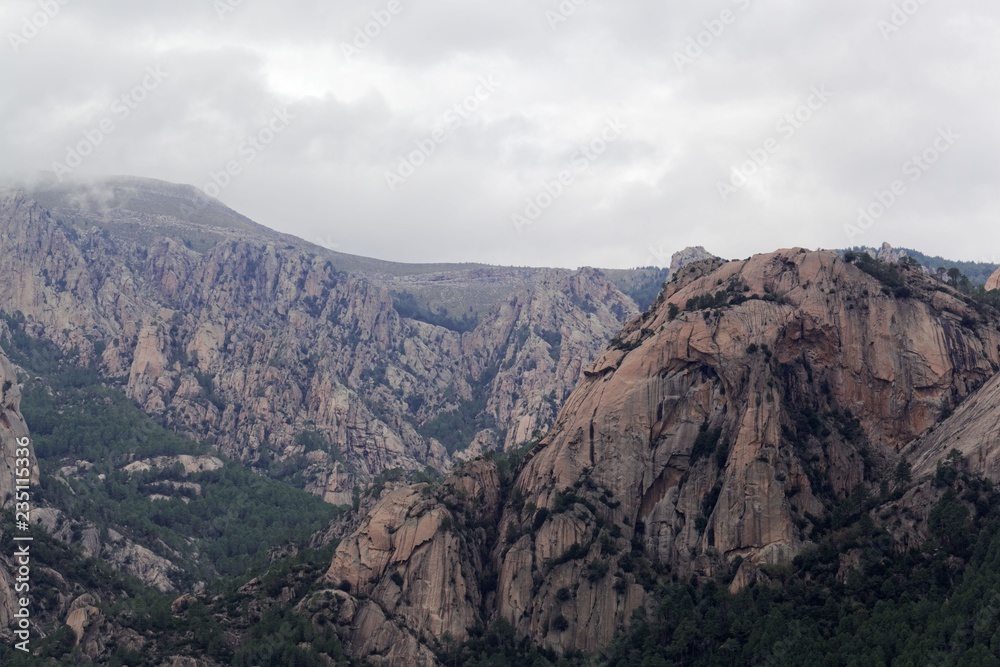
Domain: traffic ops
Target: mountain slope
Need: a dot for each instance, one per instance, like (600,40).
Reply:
(757,404)
(286,363)
(718,431)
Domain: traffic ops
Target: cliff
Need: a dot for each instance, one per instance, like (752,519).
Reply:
(262,346)
(712,436)
(712,432)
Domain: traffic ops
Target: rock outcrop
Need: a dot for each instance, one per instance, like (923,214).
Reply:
(973,430)
(886,253)
(994,281)
(687,256)
(413,572)
(711,432)
(750,400)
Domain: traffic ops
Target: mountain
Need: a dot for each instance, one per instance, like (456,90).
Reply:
(722,433)
(789,459)
(133,292)
(265,347)
(758,394)
(145,210)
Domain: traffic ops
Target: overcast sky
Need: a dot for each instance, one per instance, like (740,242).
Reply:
(649,112)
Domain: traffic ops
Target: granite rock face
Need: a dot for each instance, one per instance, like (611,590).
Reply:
(708,433)
(994,281)
(414,570)
(753,395)
(973,430)
(688,256)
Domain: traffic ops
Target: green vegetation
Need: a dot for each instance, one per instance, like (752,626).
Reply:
(43,357)
(938,604)
(205,627)
(978,272)
(95,424)
(705,444)
(220,531)
(497,646)
(207,383)
(934,605)
(456,429)
(979,298)
(717,300)
(894,282)
(407,305)
(887,274)
(230,524)
(284,637)
(645,286)
(553,339)
(734,294)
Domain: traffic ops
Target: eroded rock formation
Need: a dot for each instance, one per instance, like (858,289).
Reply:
(413,572)
(751,399)
(709,433)
(265,348)
(994,281)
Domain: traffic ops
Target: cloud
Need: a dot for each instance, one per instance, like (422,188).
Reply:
(561,80)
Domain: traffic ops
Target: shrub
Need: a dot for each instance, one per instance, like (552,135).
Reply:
(705,443)
(596,570)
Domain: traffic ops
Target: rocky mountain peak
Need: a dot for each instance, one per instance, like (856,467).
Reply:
(688,255)
(754,395)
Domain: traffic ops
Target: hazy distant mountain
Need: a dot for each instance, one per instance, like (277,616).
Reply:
(233,333)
